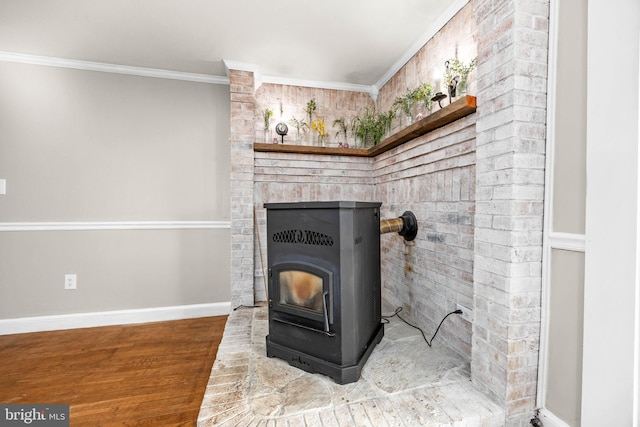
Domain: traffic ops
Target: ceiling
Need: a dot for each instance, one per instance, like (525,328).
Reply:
(350,42)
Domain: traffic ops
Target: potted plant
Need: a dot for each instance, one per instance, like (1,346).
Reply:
(456,75)
(311,107)
(404,104)
(267,114)
(301,127)
(423,95)
(343,130)
(319,127)
(371,125)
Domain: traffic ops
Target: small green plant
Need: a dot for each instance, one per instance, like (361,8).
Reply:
(404,103)
(343,128)
(371,125)
(319,127)
(312,106)
(300,125)
(267,118)
(420,94)
(456,73)
(424,93)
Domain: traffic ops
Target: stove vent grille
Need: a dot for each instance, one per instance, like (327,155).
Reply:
(305,237)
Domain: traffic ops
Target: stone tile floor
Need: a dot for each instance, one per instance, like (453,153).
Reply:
(404,383)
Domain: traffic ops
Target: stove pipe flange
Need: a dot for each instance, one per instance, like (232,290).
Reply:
(406,226)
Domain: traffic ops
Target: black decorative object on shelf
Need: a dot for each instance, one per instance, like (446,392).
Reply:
(438,98)
(282,129)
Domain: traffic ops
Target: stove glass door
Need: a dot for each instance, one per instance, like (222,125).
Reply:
(303,290)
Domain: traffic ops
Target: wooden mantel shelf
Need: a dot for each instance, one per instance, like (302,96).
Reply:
(449,114)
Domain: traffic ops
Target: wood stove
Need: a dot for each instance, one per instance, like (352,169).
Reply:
(324,285)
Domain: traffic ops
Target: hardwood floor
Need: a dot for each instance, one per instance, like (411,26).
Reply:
(151,374)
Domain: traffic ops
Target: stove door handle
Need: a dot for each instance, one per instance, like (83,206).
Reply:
(325,311)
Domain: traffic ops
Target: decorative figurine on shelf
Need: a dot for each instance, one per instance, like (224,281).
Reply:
(282,129)
(439,96)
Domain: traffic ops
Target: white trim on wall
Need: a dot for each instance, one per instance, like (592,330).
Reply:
(549,419)
(370,89)
(543,358)
(567,241)
(110,318)
(113,225)
(112,68)
(258,79)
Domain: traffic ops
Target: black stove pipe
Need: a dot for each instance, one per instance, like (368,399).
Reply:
(406,226)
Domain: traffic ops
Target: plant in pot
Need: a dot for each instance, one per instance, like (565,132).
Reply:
(423,96)
(371,125)
(311,107)
(343,129)
(301,128)
(267,114)
(456,76)
(404,103)
(319,127)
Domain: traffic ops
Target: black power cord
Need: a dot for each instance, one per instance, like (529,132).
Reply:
(246,306)
(397,314)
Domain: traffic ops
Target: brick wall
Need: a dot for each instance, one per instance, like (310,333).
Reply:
(510,145)
(331,104)
(434,177)
(457,39)
(303,177)
(242,106)
(476,187)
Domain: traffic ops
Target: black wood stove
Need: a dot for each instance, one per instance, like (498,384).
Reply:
(324,285)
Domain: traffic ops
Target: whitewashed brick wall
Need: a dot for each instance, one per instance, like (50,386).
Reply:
(242,103)
(331,105)
(476,187)
(512,71)
(457,39)
(304,177)
(434,177)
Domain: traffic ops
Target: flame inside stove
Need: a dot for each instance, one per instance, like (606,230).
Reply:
(301,289)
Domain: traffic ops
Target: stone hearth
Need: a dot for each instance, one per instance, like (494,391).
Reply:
(404,383)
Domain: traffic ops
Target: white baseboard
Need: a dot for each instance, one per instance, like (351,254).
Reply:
(550,420)
(109,318)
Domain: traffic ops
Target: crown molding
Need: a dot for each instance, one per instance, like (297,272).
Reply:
(371,90)
(288,81)
(244,66)
(112,68)
(449,13)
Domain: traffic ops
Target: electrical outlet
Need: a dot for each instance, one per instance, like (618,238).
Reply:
(467,313)
(70,281)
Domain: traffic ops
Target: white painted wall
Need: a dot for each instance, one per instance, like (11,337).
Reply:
(119,179)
